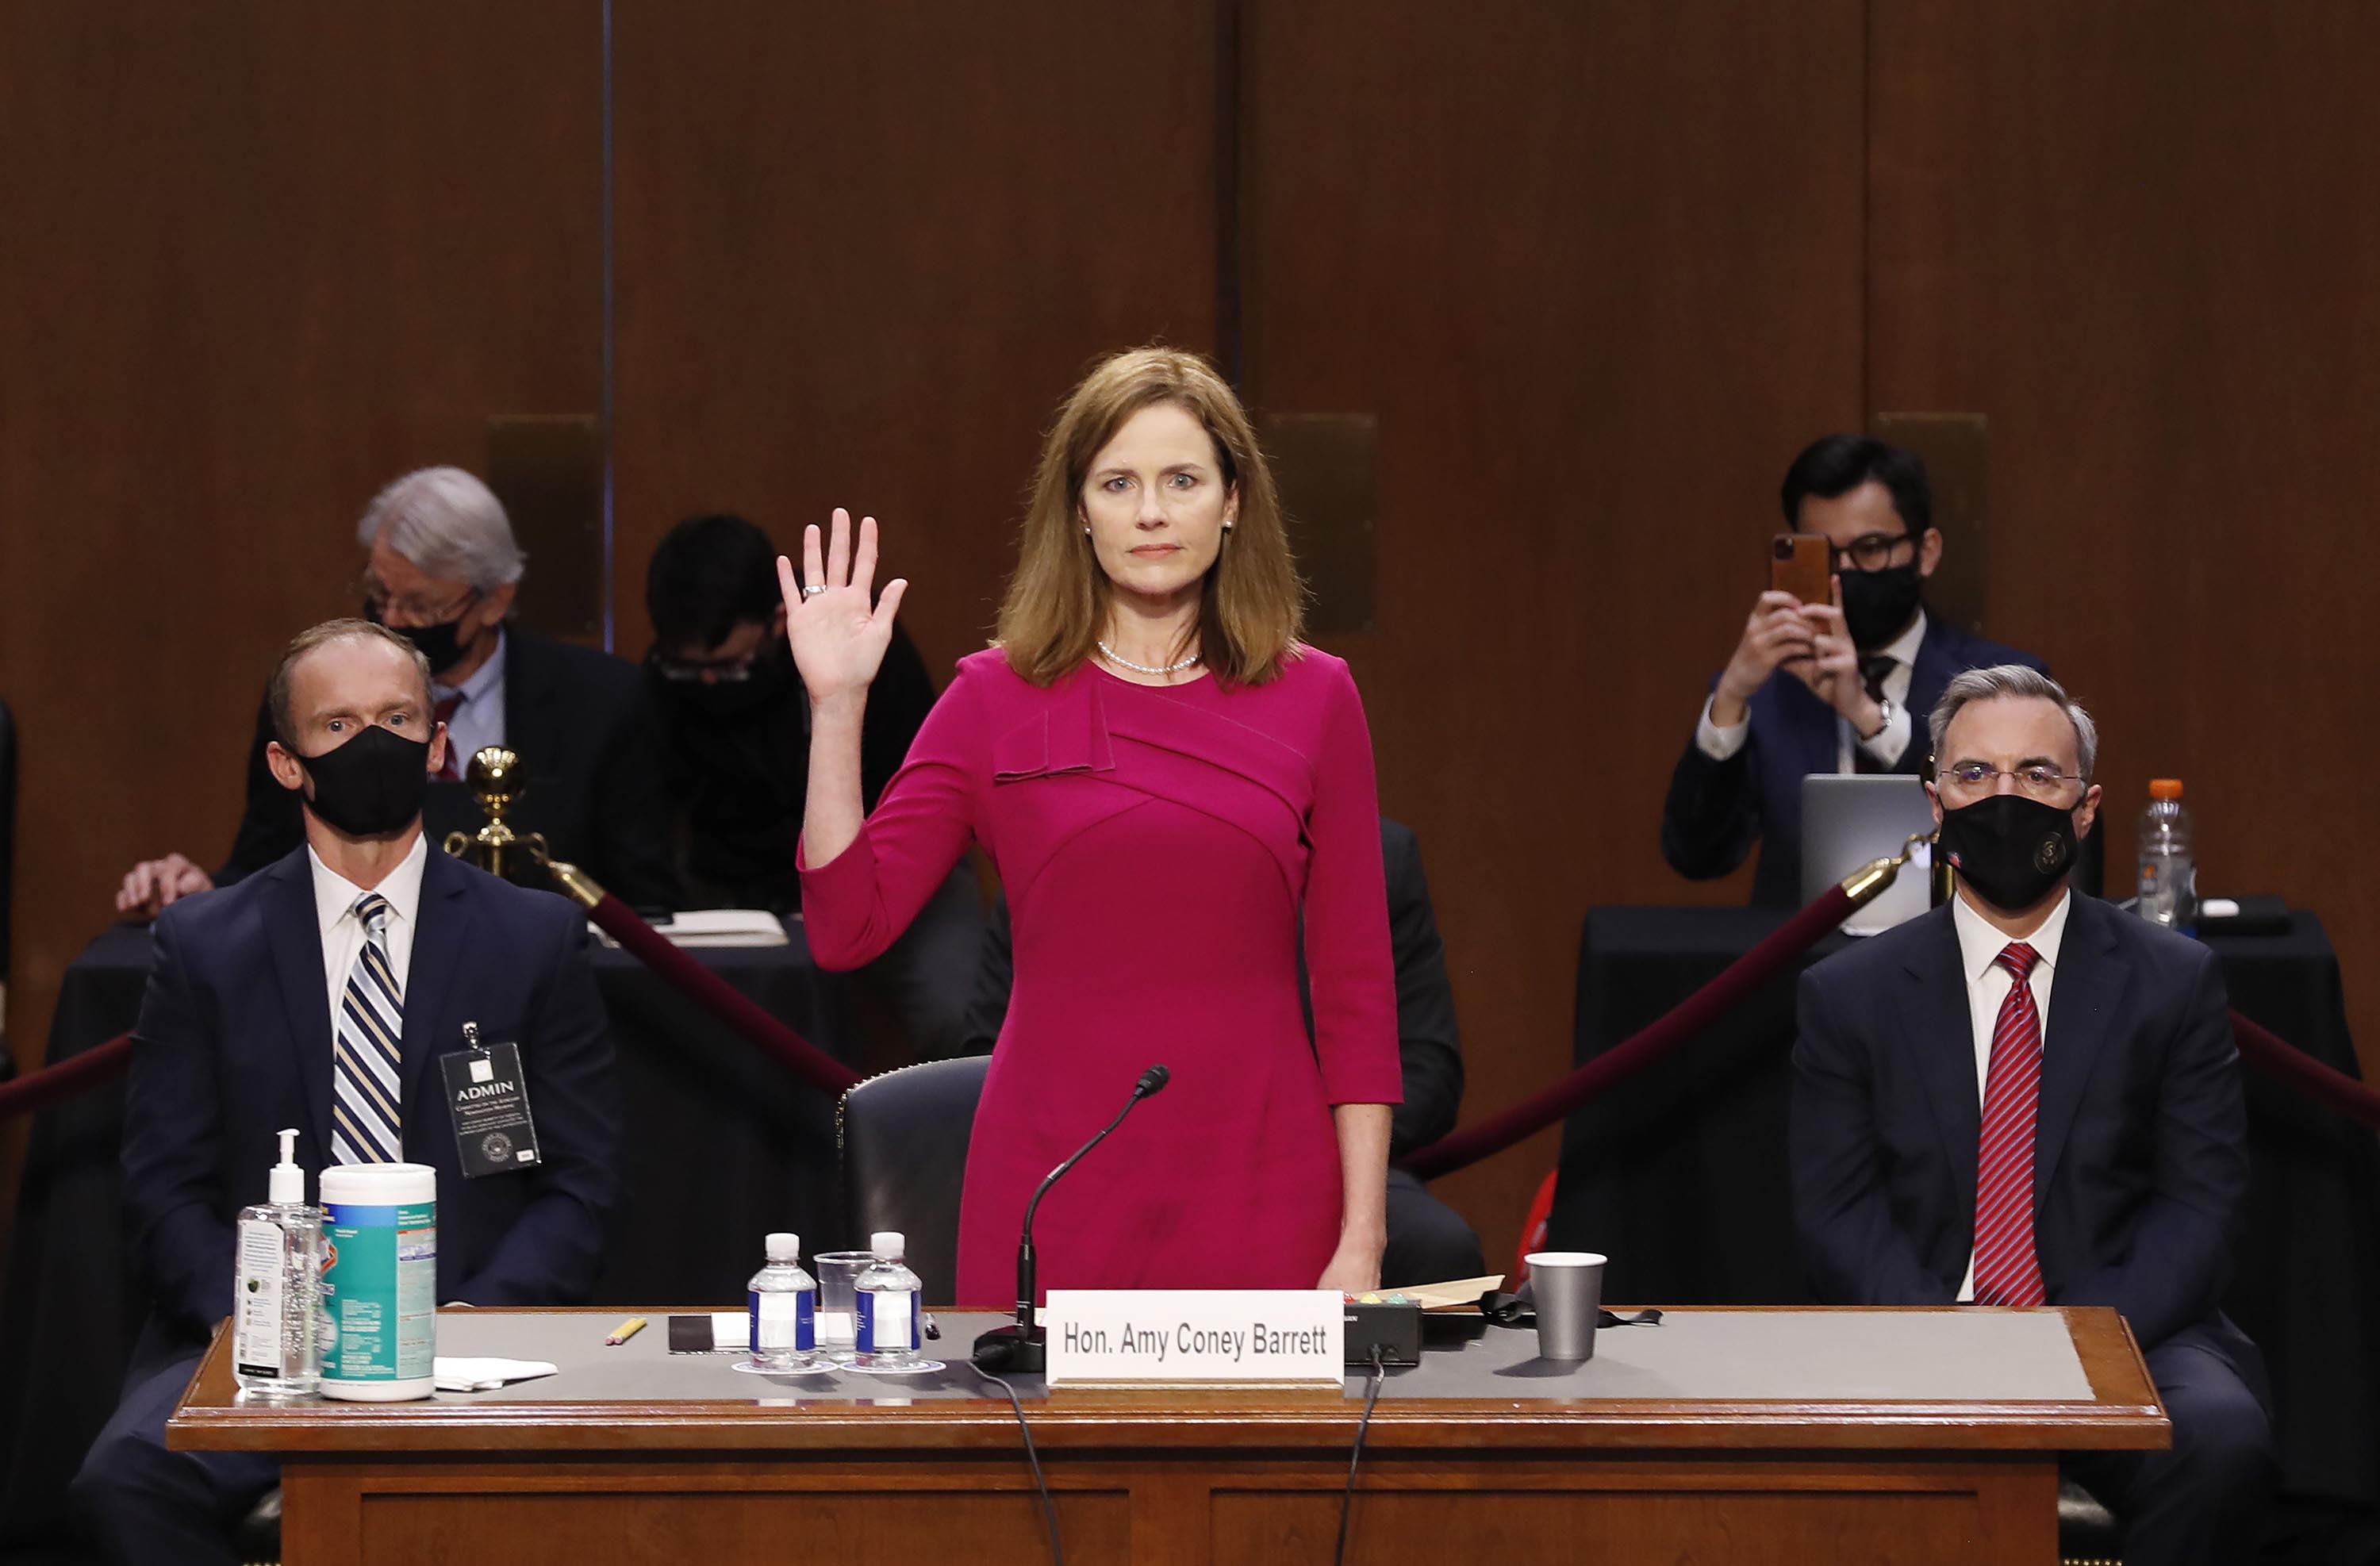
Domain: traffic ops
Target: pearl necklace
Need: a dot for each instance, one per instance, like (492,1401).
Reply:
(1122,663)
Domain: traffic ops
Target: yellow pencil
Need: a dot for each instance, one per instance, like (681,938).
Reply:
(626,1331)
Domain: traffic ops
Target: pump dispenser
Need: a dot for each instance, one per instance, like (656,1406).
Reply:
(286,1187)
(276,1299)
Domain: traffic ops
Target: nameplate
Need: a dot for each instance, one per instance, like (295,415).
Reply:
(1195,1338)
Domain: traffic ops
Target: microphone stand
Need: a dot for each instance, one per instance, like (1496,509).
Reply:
(1022,1344)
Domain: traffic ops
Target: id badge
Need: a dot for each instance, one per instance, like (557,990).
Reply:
(487,1093)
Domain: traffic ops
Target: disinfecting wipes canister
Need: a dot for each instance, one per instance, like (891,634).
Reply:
(380,1285)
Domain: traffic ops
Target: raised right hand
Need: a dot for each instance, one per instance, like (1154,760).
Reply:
(838,636)
(152,883)
(1775,633)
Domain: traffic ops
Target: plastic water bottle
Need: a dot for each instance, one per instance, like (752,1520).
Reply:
(890,1311)
(783,1303)
(276,1300)
(2169,882)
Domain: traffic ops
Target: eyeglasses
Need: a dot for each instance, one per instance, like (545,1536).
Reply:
(1870,551)
(735,672)
(2037,781)
(392,609)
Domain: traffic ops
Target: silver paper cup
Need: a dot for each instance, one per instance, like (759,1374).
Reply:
(1568,1288)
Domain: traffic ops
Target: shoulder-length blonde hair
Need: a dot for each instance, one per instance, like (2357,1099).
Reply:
(1251,606)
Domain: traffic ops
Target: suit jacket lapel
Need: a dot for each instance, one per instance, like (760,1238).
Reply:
(1940,658)
(527,701)
(295,934)
(2085,989)
(1942,1039)
(442,934)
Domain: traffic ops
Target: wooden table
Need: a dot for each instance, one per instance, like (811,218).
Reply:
(568,1476)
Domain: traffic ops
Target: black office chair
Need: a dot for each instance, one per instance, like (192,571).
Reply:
(903,1142)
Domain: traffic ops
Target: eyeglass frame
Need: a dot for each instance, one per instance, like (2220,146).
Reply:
(1846,557)
(377,598)
(735,672)
(1971,787)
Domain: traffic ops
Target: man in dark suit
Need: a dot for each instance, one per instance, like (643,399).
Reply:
(1428,1242)
(738,723)
(441,569)
(251,1022)
(2030,1097)
(1822,687)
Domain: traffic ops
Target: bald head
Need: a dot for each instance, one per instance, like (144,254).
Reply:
(343,674)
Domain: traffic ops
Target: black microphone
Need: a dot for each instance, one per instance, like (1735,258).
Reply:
(1022,1344)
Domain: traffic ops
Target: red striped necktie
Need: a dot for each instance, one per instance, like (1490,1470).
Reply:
(2007,1271)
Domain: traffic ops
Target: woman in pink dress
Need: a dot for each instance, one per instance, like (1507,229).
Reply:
(1176,792)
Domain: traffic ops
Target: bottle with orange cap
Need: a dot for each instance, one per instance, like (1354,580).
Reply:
(2168,879)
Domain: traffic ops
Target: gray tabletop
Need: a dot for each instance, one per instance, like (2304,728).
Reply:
(1716,1356)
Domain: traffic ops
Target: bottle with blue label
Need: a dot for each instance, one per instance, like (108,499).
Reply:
(890,1311)
(783,1303)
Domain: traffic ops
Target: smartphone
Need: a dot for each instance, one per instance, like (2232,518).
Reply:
(1802,564)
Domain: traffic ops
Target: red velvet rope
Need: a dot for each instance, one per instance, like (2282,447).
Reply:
(2325,1085)
(36,1088)
(1683,1021)
(2293,1066)
(721,999)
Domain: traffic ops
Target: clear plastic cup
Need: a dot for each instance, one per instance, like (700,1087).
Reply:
(838,1302)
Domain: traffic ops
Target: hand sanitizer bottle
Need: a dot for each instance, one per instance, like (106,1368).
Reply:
(886,1296)
(277,1289)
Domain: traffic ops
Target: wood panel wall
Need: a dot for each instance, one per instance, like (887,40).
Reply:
(255,259)
(1596,270)
(2142,239)
(864,250)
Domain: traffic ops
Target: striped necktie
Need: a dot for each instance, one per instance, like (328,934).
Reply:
(365,1125)
(1875,669)
(2008,1272)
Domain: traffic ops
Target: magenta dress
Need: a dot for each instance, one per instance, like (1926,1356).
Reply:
(1157,846)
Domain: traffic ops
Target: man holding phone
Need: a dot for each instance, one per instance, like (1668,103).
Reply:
(1821,681)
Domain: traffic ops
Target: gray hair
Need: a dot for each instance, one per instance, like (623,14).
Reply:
(447,522)
(2015,679)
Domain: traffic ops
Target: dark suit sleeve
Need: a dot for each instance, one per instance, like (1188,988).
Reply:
(552,1251)
(1711,818)
(271,824)
(172,1127)
(995,975)
(898,700)
(629,809)
(1430,1049)
(1850,1247)
(2176,1267)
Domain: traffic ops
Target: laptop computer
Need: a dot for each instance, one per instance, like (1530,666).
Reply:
(1850,819)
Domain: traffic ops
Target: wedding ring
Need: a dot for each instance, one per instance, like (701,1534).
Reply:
(813,592)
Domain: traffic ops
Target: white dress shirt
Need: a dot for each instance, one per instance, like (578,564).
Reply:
(1987,986)
(478,720)
(1885,747)
(343,932)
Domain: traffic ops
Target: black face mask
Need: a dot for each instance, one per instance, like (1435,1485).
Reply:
(442,644)
(372,784)
(2013,851)
(1877,604)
